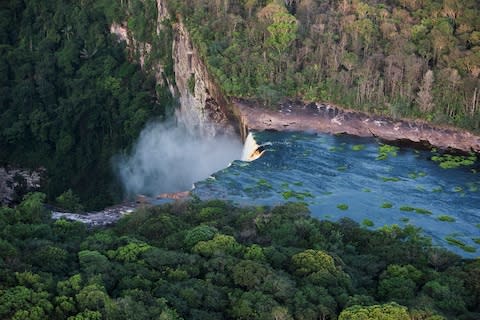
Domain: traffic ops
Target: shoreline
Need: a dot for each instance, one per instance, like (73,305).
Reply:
(327,118)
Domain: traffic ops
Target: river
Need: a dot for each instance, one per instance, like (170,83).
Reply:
(359,178)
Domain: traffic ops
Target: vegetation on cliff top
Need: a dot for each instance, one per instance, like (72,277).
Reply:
(400,57)
(212,260)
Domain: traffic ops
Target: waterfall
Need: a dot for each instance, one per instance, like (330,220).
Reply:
(251,150)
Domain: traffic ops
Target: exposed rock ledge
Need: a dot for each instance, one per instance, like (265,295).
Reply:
(321,117)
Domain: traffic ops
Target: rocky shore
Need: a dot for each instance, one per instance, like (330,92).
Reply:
(326,118)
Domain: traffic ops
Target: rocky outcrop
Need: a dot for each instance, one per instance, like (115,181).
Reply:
(202,105)
(15,182)
(321,117)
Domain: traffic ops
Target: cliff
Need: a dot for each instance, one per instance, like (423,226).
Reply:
(203,108)
(202,105)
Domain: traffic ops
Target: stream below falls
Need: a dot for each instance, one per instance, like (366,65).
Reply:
(359,178)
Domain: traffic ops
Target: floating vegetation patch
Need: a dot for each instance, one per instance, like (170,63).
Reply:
(415,174)
(386,150)
(366,190)
(327,193)
(336,149)
(458,189)
(367,223)
(297,195)
(460,244)
(404,219)
(437,189)
(298,183)
(445,218)
(472,187)
(358,147)
(342,168)
(390,179)
(423,211)
(262,183)
(477,225)
(386,205)
(342,206)
(407,208)
(449,161)
(420,188)
(476,240)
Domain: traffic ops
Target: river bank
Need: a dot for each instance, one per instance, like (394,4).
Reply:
(327,118)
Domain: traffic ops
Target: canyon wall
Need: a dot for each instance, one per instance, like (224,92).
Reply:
(203,108)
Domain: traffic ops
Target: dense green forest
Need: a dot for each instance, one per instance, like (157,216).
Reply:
(403,58)
(212,260)
(69,97)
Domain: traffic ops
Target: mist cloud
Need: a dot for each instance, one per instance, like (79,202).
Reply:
(169,158)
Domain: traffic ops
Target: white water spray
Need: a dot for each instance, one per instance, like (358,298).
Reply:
(170,158)
(251,150)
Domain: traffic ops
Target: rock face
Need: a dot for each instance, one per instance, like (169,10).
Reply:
(321,117)
(202,105)
(15,182)
(203,108)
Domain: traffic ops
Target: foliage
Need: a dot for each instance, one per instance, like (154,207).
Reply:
(248,263)
(401,58)
(70,99)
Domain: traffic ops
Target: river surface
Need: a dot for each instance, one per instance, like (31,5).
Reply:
(345,176)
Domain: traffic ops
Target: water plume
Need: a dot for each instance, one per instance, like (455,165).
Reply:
(251,150)
(169,158)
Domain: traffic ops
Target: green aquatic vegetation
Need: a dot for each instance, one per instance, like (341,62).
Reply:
(386,205)
(420,188)
(366,190)
(458,189)
(342,168)
(472,187)
(449,161)
(284,185)
(264,183)
(358,147)
(342,206)
(445,218)
(386,150)
(404,219)
(327,193)
(416,174)
(477,225)
(298,183)
(297,195)
(407,208)
(437,189)
(336,149)
(423,211)
(367,223)
(390,179)
(460,244)
(476,240)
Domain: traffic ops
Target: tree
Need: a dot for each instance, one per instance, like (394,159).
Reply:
(390,311)
(424,96)
(311,261)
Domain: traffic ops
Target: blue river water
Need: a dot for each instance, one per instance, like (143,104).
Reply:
(343,176)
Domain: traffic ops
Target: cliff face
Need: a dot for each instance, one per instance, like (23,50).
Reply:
(202,105)
(203,109)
